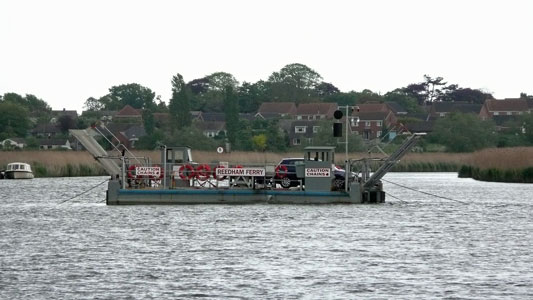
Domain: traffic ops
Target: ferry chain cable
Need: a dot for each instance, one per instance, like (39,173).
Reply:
(430,194)
(77,195)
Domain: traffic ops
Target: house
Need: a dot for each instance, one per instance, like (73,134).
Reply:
(374,107)
(372,125)
(302,131)
(57,114)
(16,143)
(272,110)
(128,114)
(442,109)
(54,144)
(315,111)
(396,108)
(212,128)
(507,107)
(46,130)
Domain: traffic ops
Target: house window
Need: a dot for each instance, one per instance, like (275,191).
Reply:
(299,129)
(315,129)
(442,114)
(298,117)
(310,141)
(296,141)
(496,113)
(378,123)
(367,123)
(509,113)
(354,122)
(378,134)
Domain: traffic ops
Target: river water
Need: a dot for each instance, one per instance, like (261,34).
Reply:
(475,244)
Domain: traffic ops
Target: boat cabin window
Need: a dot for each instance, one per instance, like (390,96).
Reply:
(319,156)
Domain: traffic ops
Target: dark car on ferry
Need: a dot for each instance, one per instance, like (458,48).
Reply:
(286,174)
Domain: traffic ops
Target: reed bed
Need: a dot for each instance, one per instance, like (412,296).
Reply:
(55,163)
(500,165)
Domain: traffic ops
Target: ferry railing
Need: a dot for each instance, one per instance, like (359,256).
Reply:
(196,175)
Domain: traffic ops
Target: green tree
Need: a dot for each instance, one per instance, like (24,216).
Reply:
(179,106)
(294,82)
(14,119)
(259,142)
(406,101)
(231,111)
(324,137)
(463,133)
(93,104)
(132,94)
(66,122)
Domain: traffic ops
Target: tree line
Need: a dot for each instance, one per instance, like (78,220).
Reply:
(222,92)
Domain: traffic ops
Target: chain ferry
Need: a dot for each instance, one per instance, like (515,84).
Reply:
(178,179)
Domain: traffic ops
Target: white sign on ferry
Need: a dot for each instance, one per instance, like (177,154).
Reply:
(253,172)
(148,171)
(317,172)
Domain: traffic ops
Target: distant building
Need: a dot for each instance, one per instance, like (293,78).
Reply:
(315,111)
(507,107)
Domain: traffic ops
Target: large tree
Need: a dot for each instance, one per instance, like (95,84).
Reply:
(132,94)
(463,133)
(231,111)
(179,106)
(14,119)
(208,92)
(295,83)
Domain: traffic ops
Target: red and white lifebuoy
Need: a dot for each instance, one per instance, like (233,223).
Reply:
(203,172)
(186,172)
(281,171)
(215,173)
(131,172)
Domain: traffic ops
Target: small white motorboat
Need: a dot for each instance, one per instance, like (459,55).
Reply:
(18,170)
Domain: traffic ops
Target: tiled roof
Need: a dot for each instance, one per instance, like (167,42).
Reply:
(367,116)
(507,105)
(373,107)
(128,111)
(277,107)
(315,108)
(213,117)
(396,108)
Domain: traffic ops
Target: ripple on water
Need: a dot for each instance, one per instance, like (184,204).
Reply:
(415,247)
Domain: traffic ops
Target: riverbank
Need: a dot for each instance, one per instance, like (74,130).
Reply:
(81,163)
(500,165)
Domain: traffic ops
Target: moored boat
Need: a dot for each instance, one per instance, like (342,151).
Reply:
(18,170)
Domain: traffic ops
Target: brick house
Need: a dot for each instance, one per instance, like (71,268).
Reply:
(302,131)
(507,107)
(128,114)
(441,109)
(372,125)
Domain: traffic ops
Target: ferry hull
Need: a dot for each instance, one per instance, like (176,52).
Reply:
(117,196)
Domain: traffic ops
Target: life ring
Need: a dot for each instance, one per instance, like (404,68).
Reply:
(186,172)
(281,171)
(131,172)
(203,172)
(219,178)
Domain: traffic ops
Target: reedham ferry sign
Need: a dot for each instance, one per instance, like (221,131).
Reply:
(253,172)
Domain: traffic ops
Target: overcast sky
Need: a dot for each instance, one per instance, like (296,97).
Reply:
(65,51)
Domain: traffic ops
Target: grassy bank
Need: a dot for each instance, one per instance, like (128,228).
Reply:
(500,165)
(81,163)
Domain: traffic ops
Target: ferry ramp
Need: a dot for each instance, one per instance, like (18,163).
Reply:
(86,138)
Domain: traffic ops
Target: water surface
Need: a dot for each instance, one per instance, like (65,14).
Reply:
(477,244)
